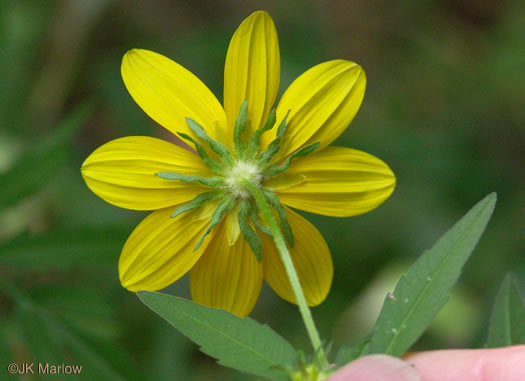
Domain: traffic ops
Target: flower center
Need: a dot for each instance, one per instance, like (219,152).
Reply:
(238,175)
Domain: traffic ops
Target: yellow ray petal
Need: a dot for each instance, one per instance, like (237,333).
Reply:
(227,277)
(122,172)
(338,182)
(252,70)
(169,93)
(311,258)
(160,250)
(322,103)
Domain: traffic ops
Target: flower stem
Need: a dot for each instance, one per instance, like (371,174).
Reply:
(290,271)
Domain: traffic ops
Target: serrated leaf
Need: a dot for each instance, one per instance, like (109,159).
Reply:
(507,323)
(422,292)
(61,249)
(239,343)
(35,168)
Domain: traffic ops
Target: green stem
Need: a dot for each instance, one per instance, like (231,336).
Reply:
(280,243)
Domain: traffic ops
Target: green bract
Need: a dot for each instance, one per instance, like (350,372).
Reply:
(236,172)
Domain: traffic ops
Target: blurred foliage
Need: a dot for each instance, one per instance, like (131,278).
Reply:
(444,108)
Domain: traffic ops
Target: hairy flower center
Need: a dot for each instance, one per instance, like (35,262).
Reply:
(237,177)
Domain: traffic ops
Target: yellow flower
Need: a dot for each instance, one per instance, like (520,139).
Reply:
(134,172)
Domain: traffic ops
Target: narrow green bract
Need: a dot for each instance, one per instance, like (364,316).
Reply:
(215,146)
(236,171)
(275,170)
(211,163)
(211,182)
(225,205)
(197,202)
(249,234)
(265,157)
(255,142)
(240,126)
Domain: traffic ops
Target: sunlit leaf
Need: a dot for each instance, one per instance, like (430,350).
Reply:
(422,292)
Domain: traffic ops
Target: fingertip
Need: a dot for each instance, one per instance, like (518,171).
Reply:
(376,368)
(471,365)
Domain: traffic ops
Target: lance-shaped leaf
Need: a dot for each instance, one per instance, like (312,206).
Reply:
(507,323)
(239,343)
(422,292)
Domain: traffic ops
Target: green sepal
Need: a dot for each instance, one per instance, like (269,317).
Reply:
(197,202)
(240,126)
(276,204)
(274,146)
(215,146)
(275,170)
(225,205)
(211,182)
(211,163)
(249,234)
(255,142)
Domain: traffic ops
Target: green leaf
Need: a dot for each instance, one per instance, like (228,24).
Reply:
(239,343)
(507,323)
(347,354)
(422,292)
(90,356)
(87,310)
(63,248)
(36,167)
(39,340)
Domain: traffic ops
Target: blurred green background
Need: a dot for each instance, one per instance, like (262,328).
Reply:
(444,107)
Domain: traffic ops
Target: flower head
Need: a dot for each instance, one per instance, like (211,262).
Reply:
(205,219)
